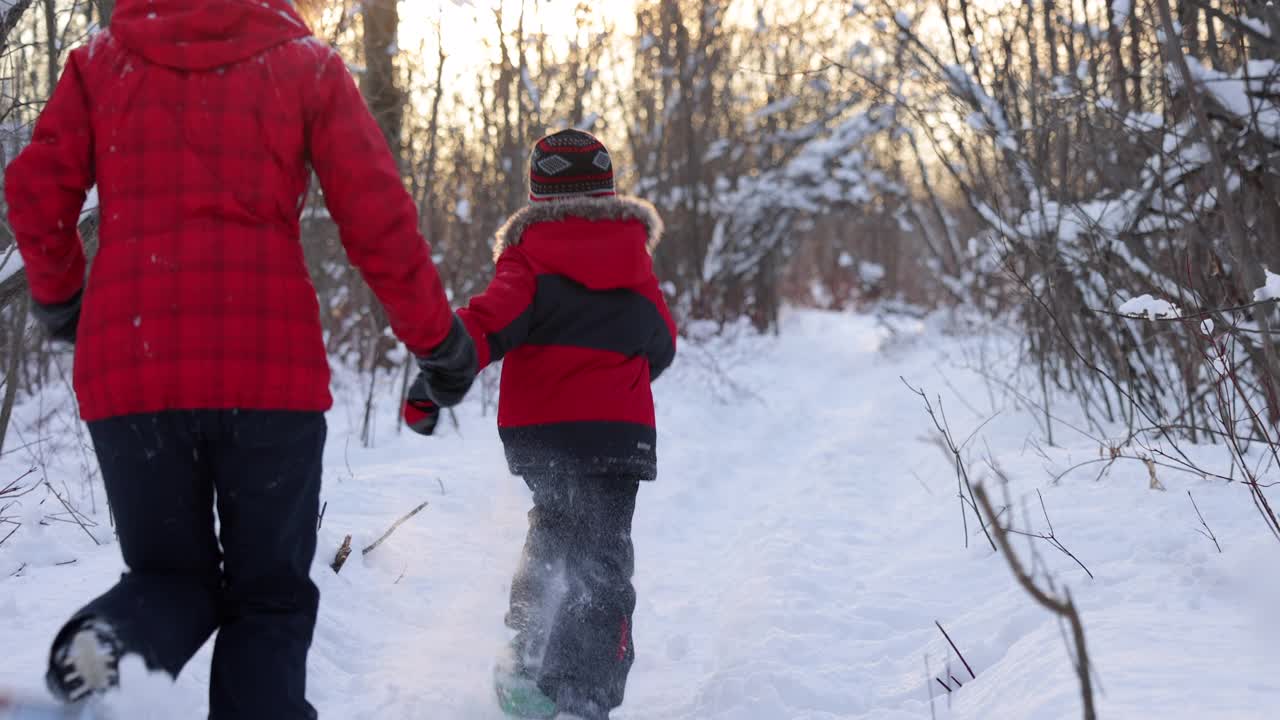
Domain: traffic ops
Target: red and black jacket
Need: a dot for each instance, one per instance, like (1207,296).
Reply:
(575,311)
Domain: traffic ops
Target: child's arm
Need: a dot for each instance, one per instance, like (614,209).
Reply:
(661,348)
(46,188)
(498,319)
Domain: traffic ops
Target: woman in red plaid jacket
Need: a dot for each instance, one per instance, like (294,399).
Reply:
(200,363)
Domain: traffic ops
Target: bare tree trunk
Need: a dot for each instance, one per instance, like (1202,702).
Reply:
(428,211)
(1213,47)
(1189,18)
(1115,38)
(379,83)
(1033,92)
(371,366)
(51,44)
(17,348)
(10,19)
(1135,55)
(1050,35)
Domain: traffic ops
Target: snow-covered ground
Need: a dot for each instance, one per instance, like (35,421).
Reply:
(792,559)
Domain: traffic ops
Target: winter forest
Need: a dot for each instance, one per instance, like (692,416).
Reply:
(976,407)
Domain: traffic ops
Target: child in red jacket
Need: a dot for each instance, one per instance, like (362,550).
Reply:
(575,310)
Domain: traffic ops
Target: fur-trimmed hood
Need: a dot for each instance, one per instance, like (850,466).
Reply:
(620,208)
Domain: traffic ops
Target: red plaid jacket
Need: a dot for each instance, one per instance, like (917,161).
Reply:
(200,123)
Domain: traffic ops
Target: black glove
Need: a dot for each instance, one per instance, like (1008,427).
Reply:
(60,319)
(451,368)
(420,413)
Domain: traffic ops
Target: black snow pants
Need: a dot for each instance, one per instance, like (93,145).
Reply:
(250,581)
(571,599)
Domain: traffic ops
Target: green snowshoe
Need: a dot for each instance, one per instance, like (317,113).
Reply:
(519,696)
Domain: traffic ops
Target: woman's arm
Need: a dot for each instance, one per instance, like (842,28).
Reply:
(376,216)
(46,186)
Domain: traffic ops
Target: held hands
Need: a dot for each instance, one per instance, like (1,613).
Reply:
(447,373)
(420,413)
(443,380)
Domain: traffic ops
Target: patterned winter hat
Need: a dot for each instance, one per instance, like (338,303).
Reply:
(570,163)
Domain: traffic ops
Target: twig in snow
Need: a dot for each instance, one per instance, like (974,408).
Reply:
(1051,537)
(442,490)
(999,513)
(392,529)
(1155,481)
(346,458)
(344,552)
(74,514)
(1114,456)
(946,669)
(320,519)
(1063,607)
(953,647)
(962,472)
(11,532)
(978,429)
(920,480)
(1206,532)
(13,488)
(933,714)
(57,518)
(944,685)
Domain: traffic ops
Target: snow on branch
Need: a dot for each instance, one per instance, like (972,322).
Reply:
(1248,93)
(1269,291)
(10,263)
(828,170)
(1150,308)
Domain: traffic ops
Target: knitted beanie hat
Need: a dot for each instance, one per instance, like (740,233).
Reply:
(570,163)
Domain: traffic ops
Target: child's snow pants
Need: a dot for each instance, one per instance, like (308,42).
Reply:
(164,474)
(572,598)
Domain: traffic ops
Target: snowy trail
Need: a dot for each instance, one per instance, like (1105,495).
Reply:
(791,561)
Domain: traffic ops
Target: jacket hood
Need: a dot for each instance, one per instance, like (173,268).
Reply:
(204,34)
(600,243)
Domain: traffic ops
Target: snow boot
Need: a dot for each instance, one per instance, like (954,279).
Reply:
(84,662)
